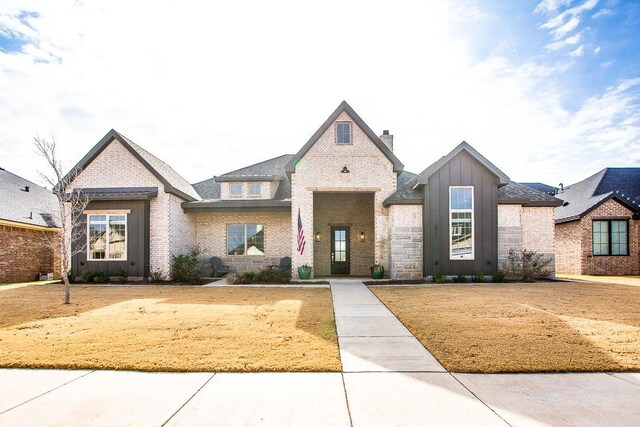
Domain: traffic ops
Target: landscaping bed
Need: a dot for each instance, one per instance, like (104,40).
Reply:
(168,328)
(539,327)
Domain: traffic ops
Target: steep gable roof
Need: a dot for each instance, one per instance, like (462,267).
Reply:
(33,207)
(344,107)
(621,184)
(423,177)
(172,181)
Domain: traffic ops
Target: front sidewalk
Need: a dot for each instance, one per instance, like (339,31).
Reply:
(388,379)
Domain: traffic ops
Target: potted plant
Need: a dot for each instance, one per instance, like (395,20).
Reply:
(304,271)
(377,271)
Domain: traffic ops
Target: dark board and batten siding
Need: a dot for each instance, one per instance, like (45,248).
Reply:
(461,170)
(137,262)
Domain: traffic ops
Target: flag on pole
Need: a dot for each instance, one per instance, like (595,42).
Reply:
(301,242)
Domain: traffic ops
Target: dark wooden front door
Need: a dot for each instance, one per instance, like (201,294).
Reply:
(339,250)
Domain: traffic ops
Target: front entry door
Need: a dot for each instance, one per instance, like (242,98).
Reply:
(339,250)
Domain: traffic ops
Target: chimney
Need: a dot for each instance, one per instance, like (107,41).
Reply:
(387,139)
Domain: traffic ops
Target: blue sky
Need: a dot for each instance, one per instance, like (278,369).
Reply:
(547,90)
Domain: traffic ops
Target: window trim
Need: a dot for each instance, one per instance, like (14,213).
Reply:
(108,214)
(245,225)
(344,122)
(231,184)
(259,184)
(609,235)
(465,257)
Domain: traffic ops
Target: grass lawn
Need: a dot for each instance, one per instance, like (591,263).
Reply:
(551,327)
(169,328)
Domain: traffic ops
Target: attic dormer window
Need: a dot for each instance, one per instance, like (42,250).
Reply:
(343,133)
(235,189)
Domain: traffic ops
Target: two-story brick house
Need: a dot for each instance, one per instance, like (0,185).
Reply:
(345,190)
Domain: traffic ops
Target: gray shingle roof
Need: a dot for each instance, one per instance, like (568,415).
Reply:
(267,170)
(543,188)
(514,192)
(33,207)
(405,194)
(580,198)
(172,181)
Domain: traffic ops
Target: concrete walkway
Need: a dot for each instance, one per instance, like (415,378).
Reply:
(389,379)
(616,280)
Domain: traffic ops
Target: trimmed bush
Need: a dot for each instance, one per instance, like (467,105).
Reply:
(439,278)
(478,278)
(263,276)
(527,266)
(460,279)
(100,277)
(122,276)
(184,267)
(498,277)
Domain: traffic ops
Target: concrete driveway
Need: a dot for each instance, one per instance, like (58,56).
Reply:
(389,379)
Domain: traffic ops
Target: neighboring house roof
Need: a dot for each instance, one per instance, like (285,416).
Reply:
(423,177)
(269,170)
(121,193)
(33,207)
(172,181)
(622,184)
(344,107)
(516,193)
(405,193)
(543,188)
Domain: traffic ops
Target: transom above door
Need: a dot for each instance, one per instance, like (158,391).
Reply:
(340,250)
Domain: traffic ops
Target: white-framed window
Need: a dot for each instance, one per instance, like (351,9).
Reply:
(235,189)
(343,132)
(245,239)
(255,189)
(461,223)
(107,237)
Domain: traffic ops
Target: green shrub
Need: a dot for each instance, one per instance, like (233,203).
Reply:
(498,277)
(184,267)
(263,276)
(122,276)
(100,276)
(439,278)
(478,278)
(527,266)
(88,276)
(459,279)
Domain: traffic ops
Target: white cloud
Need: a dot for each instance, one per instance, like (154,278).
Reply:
(573,40)
(546,6)
(213,88)
(569,26)
(562,23)
(579,51)
(602,12)
(596,50)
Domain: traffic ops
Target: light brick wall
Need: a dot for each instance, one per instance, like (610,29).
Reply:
(182,233)
(610,265)
(568,248)
(524,227)
(211,236)
(319,170)
(117,167)
(354,210)
(405,241)
(267,191)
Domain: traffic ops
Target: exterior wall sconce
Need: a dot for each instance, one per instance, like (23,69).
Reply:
(317,236)
(345,169)
(362,237)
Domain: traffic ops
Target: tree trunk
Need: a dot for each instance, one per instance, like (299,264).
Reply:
(67,288)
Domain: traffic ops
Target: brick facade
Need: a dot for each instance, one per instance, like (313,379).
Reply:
(319,171)
(24,254)
(526,227)
(575,251)
(211,236)
(405,241)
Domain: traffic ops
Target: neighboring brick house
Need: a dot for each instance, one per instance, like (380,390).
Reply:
(598,228)
(26,227)
(356,204)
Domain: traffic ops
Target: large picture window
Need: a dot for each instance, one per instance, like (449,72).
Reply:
(245,239)
(461,222)
(107,237)
(610,237)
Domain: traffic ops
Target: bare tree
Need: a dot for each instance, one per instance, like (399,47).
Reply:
(67,214)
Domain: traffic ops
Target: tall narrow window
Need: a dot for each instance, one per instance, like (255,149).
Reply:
(610,237)
(245,239)
(255,189)
(107,237)
(343,133)
(235,189)
(461,222)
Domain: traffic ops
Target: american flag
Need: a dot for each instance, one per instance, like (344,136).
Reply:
(301,242)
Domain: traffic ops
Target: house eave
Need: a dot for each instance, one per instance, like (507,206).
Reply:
(237,205)
(248,178)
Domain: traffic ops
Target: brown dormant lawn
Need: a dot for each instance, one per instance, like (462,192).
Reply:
(547,327)
(169,328)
